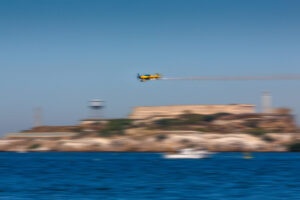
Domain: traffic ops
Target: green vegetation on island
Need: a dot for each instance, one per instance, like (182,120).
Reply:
(115,127)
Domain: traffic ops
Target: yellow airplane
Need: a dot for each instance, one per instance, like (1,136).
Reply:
(147,77)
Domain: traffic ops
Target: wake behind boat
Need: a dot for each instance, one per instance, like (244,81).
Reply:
(188,154)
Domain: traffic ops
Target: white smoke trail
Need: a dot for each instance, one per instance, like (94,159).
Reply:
(236,78)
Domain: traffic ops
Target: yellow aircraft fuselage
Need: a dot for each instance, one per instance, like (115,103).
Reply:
(147,77)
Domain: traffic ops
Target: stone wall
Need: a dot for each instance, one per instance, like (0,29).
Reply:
(173,111)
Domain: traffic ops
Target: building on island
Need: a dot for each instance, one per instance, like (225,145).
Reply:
(146,112)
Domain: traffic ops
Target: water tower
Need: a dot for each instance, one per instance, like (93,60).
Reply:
(96,106)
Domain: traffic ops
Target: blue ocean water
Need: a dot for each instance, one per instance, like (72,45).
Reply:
(137,176)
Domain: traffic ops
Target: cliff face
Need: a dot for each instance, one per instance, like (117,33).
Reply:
(158,142)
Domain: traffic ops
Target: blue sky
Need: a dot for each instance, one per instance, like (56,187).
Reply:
(59,54)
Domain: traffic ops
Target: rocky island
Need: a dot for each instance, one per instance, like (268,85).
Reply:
(217,131)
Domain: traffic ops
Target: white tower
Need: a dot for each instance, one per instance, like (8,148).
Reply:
(37,116)
(96,106)
(266,103)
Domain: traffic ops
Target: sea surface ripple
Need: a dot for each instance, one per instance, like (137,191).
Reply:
(126,176)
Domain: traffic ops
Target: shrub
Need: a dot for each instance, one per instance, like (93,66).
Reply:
(295,147)
(161,137)
(217,115)
(119,123)
(210,118)
(196,118)
(164,123)
(256,131)
(185,141)
(202,130)
(34,146)
(268,138)
(115,127)
(252,123)
(188,119)
(78,129)
(278,130)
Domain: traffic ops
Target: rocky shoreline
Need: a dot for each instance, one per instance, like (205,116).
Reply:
(159,142)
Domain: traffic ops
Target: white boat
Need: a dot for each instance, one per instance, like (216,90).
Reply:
(21,151)
(188,154)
